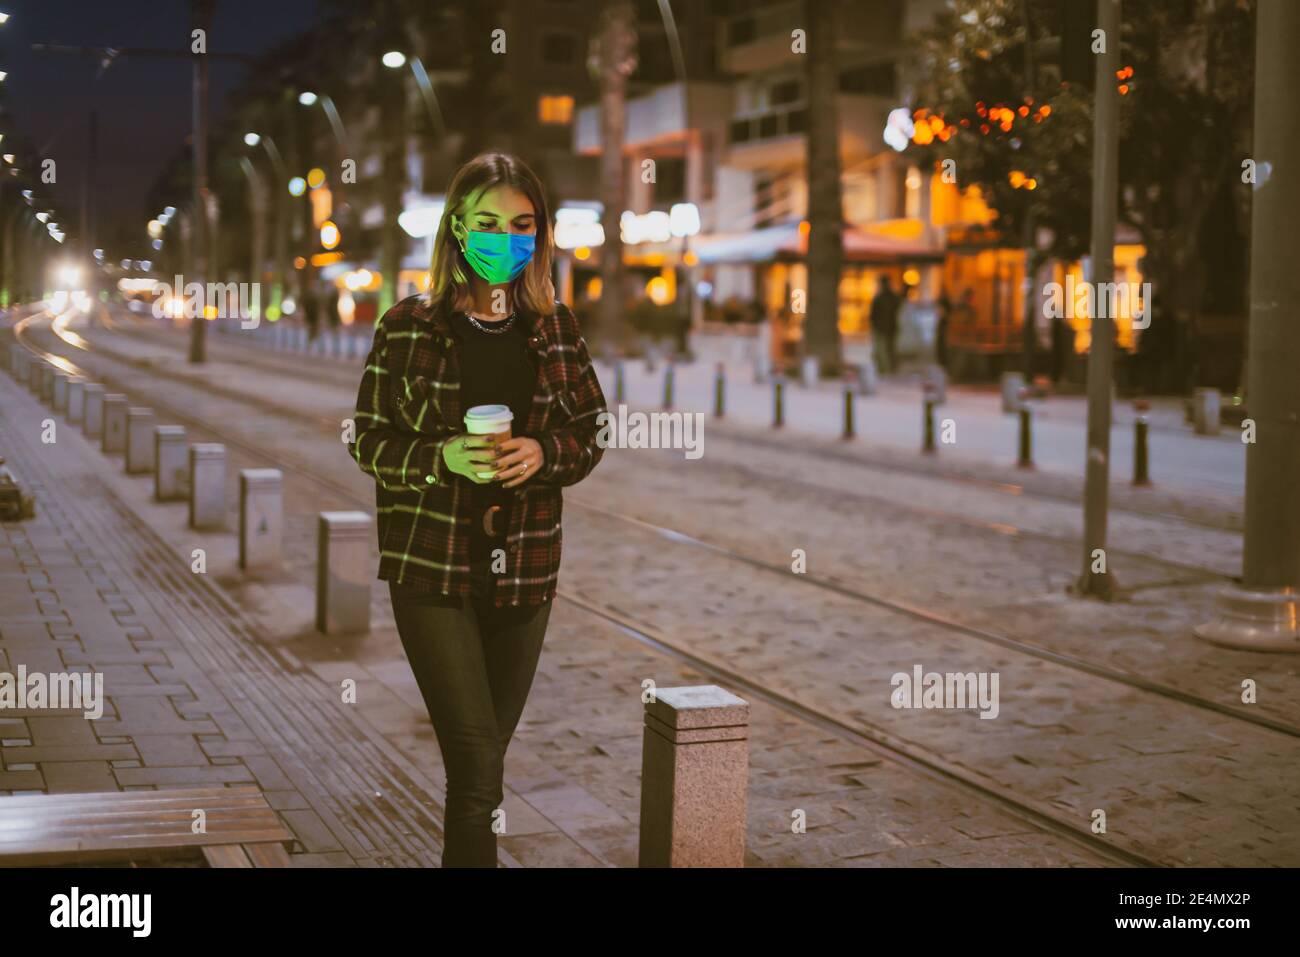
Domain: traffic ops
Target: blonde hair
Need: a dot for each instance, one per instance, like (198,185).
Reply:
(449,273)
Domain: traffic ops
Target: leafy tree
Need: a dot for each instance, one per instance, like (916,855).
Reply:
(999,109)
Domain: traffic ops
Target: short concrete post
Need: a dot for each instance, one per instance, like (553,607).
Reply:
(92,424)
(261,518)
(207,485)
(171,474)
(1205,411)
(76,399)
(61,391)
(114,439)
(47,382)
(808,372)
(1012,383)
(35,369)
(139,440)
(694,770)
(343,572)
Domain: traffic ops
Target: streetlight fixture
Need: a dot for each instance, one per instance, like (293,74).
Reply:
(307,98)
(251,139)
(394,59)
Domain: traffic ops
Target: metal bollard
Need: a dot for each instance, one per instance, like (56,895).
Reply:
(207,485)
(76,410)
(139,440)
(927,423)
(171,474)
(1013,384)
(47,382)
(261,518)
(720,390)
(668,385)
(343,572)
(1140,475)
(92,424)
(778,400)
(849,430)
(60,394)
(1025,459)
(620,387)
(114,438)
(694,771)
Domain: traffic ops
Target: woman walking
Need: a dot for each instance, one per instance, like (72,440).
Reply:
(469,525)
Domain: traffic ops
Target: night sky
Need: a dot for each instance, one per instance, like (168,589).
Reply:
(144,103)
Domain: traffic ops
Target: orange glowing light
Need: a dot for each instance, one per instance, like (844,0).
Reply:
(923,135)
(1023,111)
(1017,178)
(1045,110)
(1123,89)
(1031,184)
(299,262)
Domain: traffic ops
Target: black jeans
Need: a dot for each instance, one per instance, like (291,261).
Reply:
(475,665)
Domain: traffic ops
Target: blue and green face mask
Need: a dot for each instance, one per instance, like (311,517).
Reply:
(498,257)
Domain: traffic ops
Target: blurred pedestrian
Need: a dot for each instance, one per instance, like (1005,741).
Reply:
(310,309)
(471,562)
(884,325)
(941,330)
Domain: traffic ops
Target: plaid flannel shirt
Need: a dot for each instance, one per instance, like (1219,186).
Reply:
(408,405)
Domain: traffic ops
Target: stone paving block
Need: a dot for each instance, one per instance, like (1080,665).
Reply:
(206,775)
(157,750)
(70,777)
(310,830)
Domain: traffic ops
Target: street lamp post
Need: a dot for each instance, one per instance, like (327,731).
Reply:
(281,251)
(1263,614)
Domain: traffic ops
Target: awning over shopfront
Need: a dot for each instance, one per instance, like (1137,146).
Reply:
(784,243)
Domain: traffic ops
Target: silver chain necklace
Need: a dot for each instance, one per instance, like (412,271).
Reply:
(504,325)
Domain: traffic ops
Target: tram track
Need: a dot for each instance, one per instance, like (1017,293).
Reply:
(871,736)
(948,517)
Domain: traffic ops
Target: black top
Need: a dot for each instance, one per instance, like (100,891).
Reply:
(494,369)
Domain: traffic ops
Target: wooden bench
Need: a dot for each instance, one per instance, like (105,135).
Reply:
(53,830)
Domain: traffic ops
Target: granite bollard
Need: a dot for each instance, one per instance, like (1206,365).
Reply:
(114,438)
(48,370)
(92,424)
(76,399)
(343,572)
(171,476)
(60,395)
(261,518)
(694,771)
(139,440)
(207,485)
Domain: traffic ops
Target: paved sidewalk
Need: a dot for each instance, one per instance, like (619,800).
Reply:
(191,698)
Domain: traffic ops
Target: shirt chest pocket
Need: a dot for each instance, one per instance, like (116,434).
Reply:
(420,404)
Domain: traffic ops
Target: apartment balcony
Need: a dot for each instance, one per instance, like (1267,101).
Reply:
(760,40)
(775,138)
(659,117)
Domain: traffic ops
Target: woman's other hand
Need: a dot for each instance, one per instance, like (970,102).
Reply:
(520,460)
(468,455)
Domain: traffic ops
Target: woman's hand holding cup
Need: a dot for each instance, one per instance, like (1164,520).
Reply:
(472,456)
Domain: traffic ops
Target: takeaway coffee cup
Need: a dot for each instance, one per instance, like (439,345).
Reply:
(489,420)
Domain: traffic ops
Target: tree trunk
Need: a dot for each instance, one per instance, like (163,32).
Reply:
(614,58)
(825,211)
